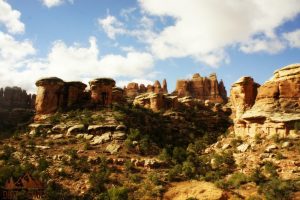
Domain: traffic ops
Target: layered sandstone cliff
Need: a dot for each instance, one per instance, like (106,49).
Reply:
(202,88)
(276,108)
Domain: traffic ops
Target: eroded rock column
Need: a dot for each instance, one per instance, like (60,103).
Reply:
(49,95)
(101,90)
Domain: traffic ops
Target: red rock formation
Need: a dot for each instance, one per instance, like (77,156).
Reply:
(101,90)
(118,95)
(133,89)
(276,108)
(242,95)
(156,101)
(49,95)
(202,88)
(15,97)
(165,87)
(74,93)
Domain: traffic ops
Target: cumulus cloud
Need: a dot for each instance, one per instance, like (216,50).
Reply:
(293,38)
(10,18)
(75,62)
(112,26)
(143,31)
(204,29)
(53,3)
(271,46)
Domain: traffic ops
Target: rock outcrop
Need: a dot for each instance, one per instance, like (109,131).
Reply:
(54,94)
(101,90)
(16,108)
(276,107)
(202,88)
(15,97)
(134,89)
(242,95)
(49,95)
(156,101)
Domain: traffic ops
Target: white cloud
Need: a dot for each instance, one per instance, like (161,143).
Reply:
(10,18)
(271,46)
(112,26)
(293,38)
(70,63)
(53,3)
(203,29)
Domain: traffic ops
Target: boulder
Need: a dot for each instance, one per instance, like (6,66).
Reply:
(270,148)
(113,148)
(59,128)
(76,129)
(243,147)
(119,135)
(106,137)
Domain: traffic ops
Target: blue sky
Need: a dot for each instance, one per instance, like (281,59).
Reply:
(145,40)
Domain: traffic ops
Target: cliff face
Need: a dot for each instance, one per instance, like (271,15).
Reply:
(15,97)
(16,107)
(202,88)
(276,107)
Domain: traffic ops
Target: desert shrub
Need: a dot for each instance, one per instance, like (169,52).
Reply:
(279,156)
(154,178)
(188,169)
(270,168)
(236,141)
(179,154)
(7,152)
(135,178)
(257,176)
(87,146)
(145,146)
(99,177)
(56,191)
(80,164)
(165,155)
(224,158)
(174,172)
(43,164)
(277,189)
(118,193)
(237,179)
(129,166)
(55,118)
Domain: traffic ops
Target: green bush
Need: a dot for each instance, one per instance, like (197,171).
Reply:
(118,193)
(277,189)
(270,168)
(179,154)
(100,177)
(188,169)
(174,173)
(43,164)
(237,179)
(257,176)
